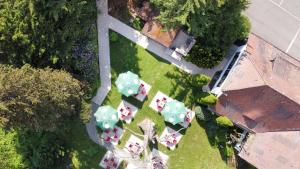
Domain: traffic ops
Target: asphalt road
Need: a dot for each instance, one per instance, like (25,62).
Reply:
(278,22)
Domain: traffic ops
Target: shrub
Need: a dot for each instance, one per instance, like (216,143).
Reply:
(113,36)
(245,27)
(137,24)
(210,99)
(85,113)
(224,121)
(199,113)
(229,150)
(206,57)
(202,113)
(200,80)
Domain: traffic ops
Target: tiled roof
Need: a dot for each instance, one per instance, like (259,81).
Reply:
(262,93)
(273,150)
(154,30)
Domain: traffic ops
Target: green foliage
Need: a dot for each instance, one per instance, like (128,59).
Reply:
(208,99)
(245,27)
(174,13)
(42,33)
(86,109)
(229,150)
(36,98)
(42,149)
(215,23)
(200,80)
(203,114)
(206,57)
(219,24)
(137,24)
(113,36)
(199,113)
(123,165)
(224,121)
(10,158)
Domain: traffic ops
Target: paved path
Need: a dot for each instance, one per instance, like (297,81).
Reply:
(147,43)
(105,76)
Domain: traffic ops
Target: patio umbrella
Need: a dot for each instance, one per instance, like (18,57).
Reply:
(174,112)
(128,83)
(106,117)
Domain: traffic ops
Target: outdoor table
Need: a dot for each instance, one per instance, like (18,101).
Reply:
(161,103)
(125,112)
(135,148)
(171,138)
(110,163)
(188,117)
(110,135)
(157,163)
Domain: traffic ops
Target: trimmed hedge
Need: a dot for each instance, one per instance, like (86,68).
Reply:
(224,121)
(209,99)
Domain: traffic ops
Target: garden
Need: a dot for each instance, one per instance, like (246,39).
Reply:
(198,145)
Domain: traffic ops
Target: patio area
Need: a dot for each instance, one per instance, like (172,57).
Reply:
(161,76)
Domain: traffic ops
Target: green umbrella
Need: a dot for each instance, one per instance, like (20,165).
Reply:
(128,83)
(106,117)
(174,112)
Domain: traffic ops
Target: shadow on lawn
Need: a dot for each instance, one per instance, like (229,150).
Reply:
(185,88)
(217,136)
(123,57)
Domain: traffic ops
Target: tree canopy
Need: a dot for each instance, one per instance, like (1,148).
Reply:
(174,13)
(220,24)
(42,32)
(40,99)
(216,24)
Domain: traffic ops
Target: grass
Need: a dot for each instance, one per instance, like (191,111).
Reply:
(85,154)
(194,150)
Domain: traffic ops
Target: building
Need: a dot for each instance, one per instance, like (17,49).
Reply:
(261,94)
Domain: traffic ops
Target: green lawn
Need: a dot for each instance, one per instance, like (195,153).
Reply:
(85,154)
(194,150)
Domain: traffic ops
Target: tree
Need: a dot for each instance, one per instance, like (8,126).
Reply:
(42,149)
(36,98)
(43,32)
(219,24)
(174,13)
